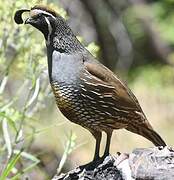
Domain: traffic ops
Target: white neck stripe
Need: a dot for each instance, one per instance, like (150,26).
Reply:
(38,11)
(49,30)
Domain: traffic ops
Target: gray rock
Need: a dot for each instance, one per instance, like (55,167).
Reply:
(141,164)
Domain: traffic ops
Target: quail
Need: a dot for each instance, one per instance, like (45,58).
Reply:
(86,92)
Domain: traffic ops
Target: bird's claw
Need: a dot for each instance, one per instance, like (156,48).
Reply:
(92,165)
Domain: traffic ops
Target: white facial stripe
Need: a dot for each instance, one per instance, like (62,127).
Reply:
(49,30)
(38,11)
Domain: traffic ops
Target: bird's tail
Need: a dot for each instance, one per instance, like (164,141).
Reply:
(148,133)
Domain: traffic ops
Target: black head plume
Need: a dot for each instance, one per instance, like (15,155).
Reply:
(18,15)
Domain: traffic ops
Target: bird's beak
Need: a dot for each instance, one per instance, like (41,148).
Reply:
(28,20)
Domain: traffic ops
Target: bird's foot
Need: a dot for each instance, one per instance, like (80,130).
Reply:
(92,165)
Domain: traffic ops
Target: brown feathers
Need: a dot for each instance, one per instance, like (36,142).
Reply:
(46,9)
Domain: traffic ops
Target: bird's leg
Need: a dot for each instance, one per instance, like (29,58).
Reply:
(97,137)
(96,160)
(108,141)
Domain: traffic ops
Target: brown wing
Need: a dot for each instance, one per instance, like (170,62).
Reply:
(124,98)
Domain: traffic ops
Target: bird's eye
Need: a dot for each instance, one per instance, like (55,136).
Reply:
(46,15)
(39,15)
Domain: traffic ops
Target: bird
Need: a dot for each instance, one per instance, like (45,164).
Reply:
(86,92)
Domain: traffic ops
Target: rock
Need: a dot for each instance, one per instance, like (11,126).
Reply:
(142,164)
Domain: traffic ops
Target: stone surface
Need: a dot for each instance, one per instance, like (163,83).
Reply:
(141,164)
(152,163)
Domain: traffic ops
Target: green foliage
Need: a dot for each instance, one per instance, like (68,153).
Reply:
(93,48)
(157,78)
(24,90)
(69,147)
(10,166)
(22,61)
(164,16)
(159,12)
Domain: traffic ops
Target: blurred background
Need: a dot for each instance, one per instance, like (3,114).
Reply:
(134,38)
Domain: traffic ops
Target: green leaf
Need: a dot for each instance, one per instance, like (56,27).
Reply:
(17,176)
(10,166)
(27,156)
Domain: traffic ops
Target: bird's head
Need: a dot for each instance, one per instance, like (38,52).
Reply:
(42,18)
(52,25)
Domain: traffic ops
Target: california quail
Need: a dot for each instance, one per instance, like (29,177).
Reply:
(86,92)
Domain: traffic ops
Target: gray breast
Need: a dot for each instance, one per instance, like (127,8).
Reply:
(65,67)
